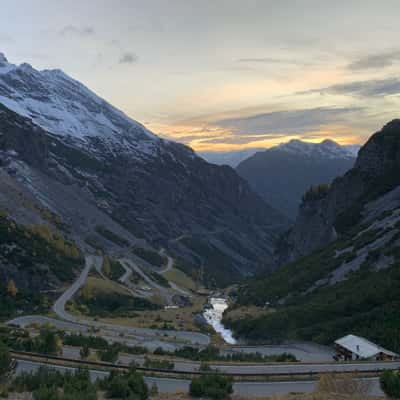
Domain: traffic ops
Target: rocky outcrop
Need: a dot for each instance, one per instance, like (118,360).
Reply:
(376,172)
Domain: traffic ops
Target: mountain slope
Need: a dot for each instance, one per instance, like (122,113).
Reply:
(92,166)
(283,173)
(350,283)
(34,261)
(63,106)
(231,158)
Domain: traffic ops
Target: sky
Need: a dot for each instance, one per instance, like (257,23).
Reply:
(223,75)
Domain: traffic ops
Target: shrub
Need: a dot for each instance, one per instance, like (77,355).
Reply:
(5,360)
(129,385)
(112,304)
(390,384)
(48,384)
(84,352)
(158,364)
(45,393)
(93,342)
(109,354)
(213,386)
(48,342)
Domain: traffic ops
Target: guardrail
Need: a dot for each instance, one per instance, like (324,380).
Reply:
(22,355)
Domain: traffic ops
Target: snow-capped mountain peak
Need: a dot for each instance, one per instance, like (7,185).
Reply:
(327,148)
(5,66)
(3,59)
(65,107)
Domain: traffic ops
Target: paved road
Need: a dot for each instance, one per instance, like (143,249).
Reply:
(169,385)
(145,277)
(170,262)
(59,305)
(305,352)
(82,324)
(273,368)
(168,267)
(174,338)
(59,308)
(128,272)
(167,293)
(125,281)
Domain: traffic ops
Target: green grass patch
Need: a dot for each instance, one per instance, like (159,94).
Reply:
(105,299)
(180,278)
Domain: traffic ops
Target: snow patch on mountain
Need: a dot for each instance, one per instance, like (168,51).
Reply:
(65,107)
(327,149)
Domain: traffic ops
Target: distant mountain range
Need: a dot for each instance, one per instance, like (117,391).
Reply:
(231,158)
(67,153)
(234,158)
(283,173)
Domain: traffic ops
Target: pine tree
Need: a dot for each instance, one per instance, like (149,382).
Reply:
(84,352)
(12,288)
(5,360)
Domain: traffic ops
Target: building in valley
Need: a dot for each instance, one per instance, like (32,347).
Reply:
(353,347)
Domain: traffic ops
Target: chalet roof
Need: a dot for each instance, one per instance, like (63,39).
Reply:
(362,347)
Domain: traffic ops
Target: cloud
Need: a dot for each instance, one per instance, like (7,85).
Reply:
(242,139)
(6,39)
(289,121)
(368,88)
(72,30)
(128,58)
(265,60)
(375,61)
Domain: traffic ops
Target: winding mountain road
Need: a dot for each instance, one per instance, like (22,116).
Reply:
(170,262)
(59,305)
(83,324)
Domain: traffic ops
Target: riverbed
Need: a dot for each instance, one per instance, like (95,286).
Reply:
(213,316)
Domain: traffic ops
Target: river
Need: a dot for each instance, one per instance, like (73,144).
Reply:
(213,316)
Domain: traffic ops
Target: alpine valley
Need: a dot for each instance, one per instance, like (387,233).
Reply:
(82,185)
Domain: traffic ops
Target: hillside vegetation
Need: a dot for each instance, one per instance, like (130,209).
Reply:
(307,304)
(32,261)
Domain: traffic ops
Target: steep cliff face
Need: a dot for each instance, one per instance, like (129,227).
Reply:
(342,206)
